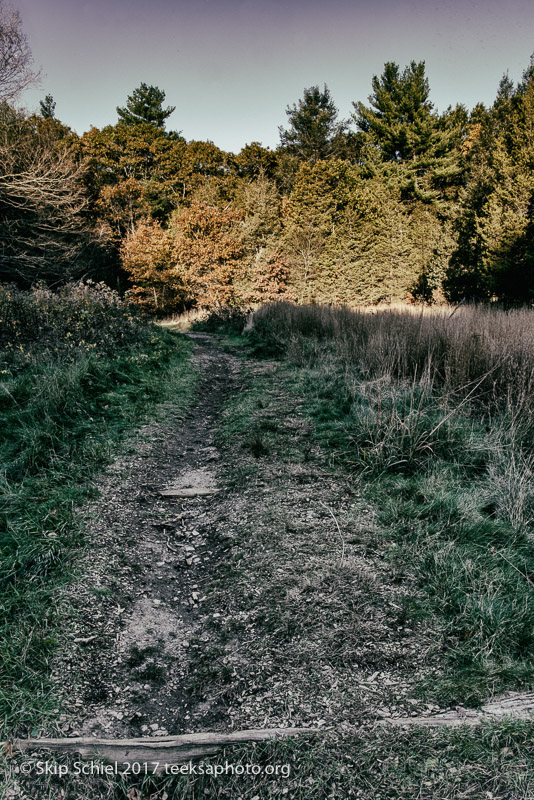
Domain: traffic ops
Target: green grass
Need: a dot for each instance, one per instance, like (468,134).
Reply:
(66,403)
(492,763)
(435,472)
(441,496)
(448,475)
(447,466)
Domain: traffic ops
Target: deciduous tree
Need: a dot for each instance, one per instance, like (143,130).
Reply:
(147,257)
(42,198)
(16,60)
(207,252)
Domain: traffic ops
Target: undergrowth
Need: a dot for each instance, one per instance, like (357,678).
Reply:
(225,319)
(78,369)
(434,412)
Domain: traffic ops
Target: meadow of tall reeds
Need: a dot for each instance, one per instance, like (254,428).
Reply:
(434,410)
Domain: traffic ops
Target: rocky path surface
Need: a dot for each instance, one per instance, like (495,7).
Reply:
(155,535)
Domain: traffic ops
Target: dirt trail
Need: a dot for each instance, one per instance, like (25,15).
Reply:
(264,605)
(267,603)
(140,600)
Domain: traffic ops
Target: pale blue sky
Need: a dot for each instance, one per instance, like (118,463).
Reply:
(232,66)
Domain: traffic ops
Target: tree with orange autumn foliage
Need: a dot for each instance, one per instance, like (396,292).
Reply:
(271,277)
(207,252)
(147,256)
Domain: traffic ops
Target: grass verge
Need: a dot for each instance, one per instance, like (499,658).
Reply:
(79,370)
(433,414)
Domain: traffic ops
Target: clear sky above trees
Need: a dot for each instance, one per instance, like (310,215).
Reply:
(231,67)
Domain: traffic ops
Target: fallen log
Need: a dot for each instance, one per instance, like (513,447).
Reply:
(512,706)
(156,752)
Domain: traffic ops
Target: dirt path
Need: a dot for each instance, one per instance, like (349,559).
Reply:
(237,579)
(246,586)
(140,601)
(260,605)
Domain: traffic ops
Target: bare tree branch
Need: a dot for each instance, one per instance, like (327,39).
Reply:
(16,60)
(42,230)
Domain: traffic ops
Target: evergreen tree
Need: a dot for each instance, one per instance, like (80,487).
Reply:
(494,255)
(48,107)
(409,146)
(145,104)
(313,126)
(316,208)
(399,121)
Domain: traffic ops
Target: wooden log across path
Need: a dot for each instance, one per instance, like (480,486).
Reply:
(513,706)
(155,751)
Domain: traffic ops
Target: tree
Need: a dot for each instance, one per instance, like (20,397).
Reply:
(316,208)
(145,105)
(254,160)
(147,257)
(270,278)
(207,252)
(42,199)
(16,59)
(374,258)
(494,253)
(399,120)
(132,172)
(313,126)
(261,224)
(205,173)
(48,107)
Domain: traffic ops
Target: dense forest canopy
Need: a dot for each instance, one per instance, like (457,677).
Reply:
(400,202)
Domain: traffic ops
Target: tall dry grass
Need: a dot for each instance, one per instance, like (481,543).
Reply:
(434,411)
(470,350)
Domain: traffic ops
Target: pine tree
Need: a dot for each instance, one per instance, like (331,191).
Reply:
(48,107)
(314,126)
(399,120)
(145,105)
(494,255)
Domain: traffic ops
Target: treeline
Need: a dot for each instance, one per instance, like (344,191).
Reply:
(399,202)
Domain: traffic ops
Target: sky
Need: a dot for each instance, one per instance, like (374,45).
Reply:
(231,67)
